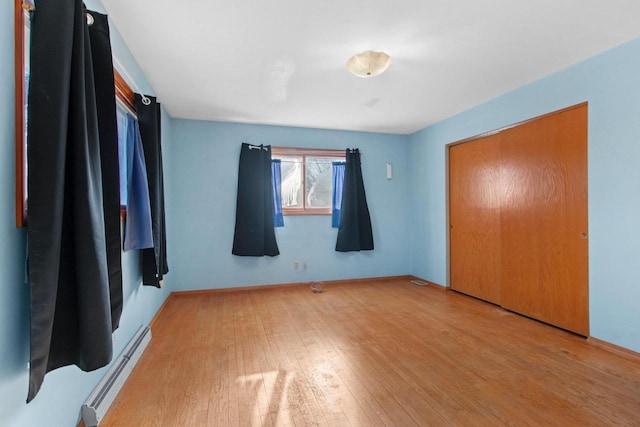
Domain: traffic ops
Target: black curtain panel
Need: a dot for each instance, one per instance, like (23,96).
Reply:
(108,130)
(354,233)
(70,307)
(154,260)
(254,232)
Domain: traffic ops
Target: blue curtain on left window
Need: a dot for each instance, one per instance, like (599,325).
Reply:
(336,199)
(276,182)
(134,185)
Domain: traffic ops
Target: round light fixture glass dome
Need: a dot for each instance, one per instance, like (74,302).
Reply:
(368,64)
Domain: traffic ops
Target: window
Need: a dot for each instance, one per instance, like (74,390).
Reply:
(125,100)
(22,21)
(306,179)
(22,25)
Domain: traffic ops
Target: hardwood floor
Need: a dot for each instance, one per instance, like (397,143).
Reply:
(368,354)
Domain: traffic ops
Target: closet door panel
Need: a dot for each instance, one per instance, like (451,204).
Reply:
(474,216)
(544,219)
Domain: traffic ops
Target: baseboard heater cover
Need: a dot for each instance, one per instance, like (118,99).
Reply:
(98,402)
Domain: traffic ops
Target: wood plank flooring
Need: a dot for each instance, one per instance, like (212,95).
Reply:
(368,354)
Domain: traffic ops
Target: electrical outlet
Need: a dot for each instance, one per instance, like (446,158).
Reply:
(296,265)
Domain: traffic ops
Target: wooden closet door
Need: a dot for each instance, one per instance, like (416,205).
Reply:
(544,219)
(474,218)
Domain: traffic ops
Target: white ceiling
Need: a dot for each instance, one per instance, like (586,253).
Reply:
(282,62)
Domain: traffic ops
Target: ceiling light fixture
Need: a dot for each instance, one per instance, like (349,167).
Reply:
(368,64)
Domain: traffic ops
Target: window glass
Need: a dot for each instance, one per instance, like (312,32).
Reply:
(319,181)
(292,184)
(121,116)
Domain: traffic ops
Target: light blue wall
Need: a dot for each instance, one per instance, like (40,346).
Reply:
(64,390)
(610,83)
(204,158)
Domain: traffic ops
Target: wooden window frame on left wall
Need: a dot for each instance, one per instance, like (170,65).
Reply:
(122,90)
(20,100)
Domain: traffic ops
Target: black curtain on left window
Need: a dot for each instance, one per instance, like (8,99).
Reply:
(254,231)
(74,245)
(154,260)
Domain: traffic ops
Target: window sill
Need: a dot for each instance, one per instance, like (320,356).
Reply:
(296,212)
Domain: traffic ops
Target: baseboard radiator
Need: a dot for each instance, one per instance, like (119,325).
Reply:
(96,406)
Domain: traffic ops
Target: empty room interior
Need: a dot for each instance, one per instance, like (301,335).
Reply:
(348,213)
